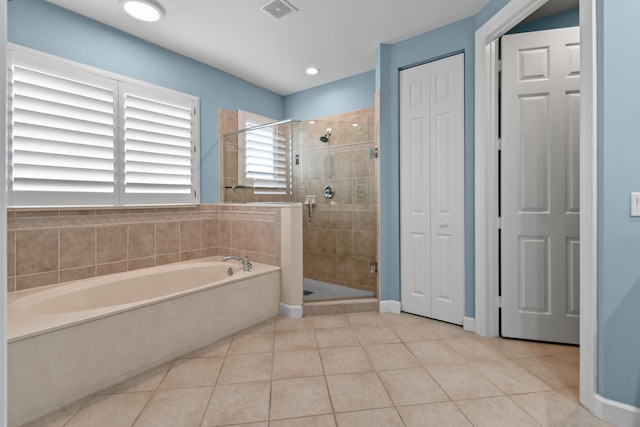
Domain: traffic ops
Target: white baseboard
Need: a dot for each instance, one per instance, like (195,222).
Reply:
(617,413)
(390,306)
(290,310)
(469,324)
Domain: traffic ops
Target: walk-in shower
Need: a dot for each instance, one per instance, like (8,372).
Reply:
(338,182)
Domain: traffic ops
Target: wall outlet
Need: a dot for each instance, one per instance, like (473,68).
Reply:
(635,204)
(301,192)
(310,198)
(360,190)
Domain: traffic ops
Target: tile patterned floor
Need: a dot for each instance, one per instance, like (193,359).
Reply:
(361,369)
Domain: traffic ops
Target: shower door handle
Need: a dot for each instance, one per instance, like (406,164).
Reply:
(310,203)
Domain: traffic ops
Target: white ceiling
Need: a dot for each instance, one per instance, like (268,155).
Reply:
(338,36)
(237,36)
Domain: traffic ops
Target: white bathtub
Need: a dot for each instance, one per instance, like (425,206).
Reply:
(70,340)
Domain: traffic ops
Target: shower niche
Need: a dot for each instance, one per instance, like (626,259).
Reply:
(328,166)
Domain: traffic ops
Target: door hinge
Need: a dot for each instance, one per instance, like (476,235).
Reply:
(499,144)
(373,153)
(499,65)
(499,302)
(499,223)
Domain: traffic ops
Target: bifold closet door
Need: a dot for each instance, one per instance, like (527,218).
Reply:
(432,189)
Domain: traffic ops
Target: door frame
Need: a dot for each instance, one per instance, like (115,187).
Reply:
(486,174)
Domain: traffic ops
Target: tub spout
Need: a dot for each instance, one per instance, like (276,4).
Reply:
(246,265)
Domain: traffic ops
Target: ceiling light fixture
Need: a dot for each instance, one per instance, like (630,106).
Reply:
(144,10)
(312,71)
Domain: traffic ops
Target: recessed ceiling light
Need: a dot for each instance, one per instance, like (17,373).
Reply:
(312,70)
(144,10)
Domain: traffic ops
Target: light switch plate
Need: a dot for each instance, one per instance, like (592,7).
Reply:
(635,204)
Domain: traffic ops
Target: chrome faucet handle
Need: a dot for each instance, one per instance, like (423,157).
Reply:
(247,264)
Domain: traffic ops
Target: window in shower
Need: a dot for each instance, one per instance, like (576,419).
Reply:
(262,155)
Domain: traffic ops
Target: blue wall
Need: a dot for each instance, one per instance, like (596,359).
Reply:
(352,93)
(570,18)
(619,175)
(42,26)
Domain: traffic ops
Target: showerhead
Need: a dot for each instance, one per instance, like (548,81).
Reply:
(325,137)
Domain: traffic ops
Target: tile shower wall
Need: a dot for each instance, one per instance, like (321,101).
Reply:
(49,247)
(341,240)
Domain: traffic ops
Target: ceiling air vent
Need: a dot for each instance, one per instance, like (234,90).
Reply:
(278,8)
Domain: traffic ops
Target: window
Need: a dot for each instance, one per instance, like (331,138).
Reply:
(264,164)
(84,137)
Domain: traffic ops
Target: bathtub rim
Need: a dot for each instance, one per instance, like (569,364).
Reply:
(70,319)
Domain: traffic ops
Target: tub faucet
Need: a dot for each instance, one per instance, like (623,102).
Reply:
(246,265)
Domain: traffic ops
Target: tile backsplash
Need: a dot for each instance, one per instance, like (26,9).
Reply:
(48,247)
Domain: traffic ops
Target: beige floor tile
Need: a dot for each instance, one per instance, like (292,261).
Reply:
(495,412)
(553,371)
(376,335)
(435,353)
(299,397)
(218,348)
(340,337)
(411,387)
(251,343)
(359,320)
(387,417)
(296,364)
(181,407)
(510,377)
(316,421)
(448,331)
(476,349)
(147,381)
(354,392)
(390,356)
(291,324)
(393,319)
(266,327)
(520,349)
(567,353)
(554,408)
(343,360)
(246,368)
(111,410)
(329,321)
(415,332)
(463,382)
(433,415)
(238,403)
(295,340)
(60,417)
(193,373)
(264,424)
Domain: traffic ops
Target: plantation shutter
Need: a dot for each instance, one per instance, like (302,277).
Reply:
(262,155)
(266,162)
(80,136)
(62,134)
(159,164)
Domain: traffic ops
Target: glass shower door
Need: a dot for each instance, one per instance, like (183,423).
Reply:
(333,166)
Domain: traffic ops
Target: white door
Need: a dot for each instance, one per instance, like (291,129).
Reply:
(540,247)
(432,189)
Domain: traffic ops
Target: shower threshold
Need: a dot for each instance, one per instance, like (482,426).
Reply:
(315,290)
